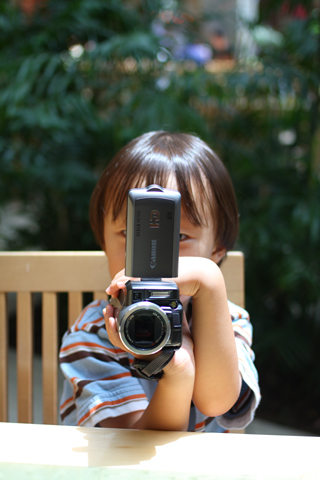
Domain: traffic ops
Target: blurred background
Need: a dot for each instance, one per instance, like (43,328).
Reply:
(80,78)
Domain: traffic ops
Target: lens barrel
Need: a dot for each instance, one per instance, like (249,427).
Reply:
(143,327)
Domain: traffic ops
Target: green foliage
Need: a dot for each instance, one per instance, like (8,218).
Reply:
(77,81)
(81,78)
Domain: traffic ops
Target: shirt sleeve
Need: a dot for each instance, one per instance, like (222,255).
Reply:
(98,382)
(242,413)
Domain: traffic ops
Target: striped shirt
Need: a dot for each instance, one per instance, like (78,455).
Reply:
(100,383)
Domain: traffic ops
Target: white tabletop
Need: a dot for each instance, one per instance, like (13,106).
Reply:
(115,453)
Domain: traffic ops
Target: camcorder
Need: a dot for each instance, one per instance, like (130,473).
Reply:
(149,317)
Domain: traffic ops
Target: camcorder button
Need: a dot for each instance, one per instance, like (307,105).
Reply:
(137,296)
(176,319)
(176,337)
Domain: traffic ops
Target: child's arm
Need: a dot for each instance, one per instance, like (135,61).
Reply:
(217,380)
(169,407)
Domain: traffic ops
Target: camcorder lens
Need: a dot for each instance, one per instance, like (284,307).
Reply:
(145,329)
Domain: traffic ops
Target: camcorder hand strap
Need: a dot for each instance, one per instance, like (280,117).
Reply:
(153,370)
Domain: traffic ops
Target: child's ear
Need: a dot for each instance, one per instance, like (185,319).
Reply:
(218,254)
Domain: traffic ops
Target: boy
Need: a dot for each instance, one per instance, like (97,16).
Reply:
(213,371)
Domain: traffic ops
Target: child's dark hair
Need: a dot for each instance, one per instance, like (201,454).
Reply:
(201,178)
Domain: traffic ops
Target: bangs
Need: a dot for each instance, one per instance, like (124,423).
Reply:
(168,173)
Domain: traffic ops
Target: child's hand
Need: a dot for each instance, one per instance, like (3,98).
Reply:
(111,313)
(195,274)
(118,283)
(183,360)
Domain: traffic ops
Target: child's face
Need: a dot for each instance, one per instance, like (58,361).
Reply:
(195,241)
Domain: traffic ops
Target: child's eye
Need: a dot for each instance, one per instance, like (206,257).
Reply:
(183,237)
(124,232)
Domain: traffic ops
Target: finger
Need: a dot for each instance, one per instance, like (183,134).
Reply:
(185,324)
(108,311)
(118,283)
(114,288)
(111,326)
(109,319)
(119,275)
